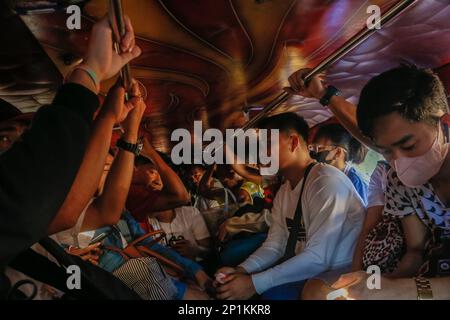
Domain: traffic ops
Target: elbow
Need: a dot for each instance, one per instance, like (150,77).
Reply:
(64,222)
(59,225)
(109,215)
(62,225)
(112,217)
(69,223)
(111,221)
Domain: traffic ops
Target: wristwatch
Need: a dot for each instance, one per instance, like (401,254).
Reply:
(330,93)
(424,291)
(134,148)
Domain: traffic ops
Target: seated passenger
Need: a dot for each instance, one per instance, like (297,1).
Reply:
(155,187)
(230,179)
(304,243)
(185,230)
(128,230)
(202,199)
(335,146)
(107,208)
(381,242)
(408,124)
(243,233)
(49,154)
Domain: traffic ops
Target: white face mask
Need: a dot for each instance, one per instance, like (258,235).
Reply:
(417,171)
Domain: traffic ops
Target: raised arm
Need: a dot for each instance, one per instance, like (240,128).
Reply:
(174,193)
(39,170)
(108,207)
(206,187)
(105,63)
(343,110)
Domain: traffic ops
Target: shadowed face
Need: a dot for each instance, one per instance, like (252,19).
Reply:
(196,175)
(148,175)
(10,132)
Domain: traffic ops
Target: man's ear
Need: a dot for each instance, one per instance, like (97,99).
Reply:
(339,153)
(295,142)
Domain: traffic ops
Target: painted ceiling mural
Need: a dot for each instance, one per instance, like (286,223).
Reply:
(210,60)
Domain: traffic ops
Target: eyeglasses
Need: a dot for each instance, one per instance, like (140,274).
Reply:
(319,148)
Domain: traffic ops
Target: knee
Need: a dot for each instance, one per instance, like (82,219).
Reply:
(314,290)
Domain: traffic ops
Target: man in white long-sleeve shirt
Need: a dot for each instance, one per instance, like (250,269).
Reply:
(332,216)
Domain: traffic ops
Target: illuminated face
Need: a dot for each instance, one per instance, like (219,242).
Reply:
(154,179)
(397,137)
(148,175)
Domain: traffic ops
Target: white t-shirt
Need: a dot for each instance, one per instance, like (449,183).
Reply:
(333,214)
(377,186)
(188,223)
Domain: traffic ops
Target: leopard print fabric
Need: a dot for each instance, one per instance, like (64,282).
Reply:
(384,245)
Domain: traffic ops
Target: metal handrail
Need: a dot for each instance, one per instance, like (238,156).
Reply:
(352,43)
(118,26)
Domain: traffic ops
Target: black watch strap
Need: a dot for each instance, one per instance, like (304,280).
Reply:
(331,92)
(134,148)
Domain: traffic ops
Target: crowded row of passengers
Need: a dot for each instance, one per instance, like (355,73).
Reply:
(225,231)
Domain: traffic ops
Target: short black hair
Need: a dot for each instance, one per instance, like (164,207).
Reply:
(340,137)
(142,161)
(286,122)
(416,94)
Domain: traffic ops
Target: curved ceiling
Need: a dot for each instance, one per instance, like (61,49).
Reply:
(208,60)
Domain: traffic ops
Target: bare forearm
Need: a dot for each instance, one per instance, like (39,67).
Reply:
(172,183)
(88,177)
(345,112)
(357,263)
(441,288)
(111,203)
(205,187)
(406,289)
(81,77)
(395,289)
